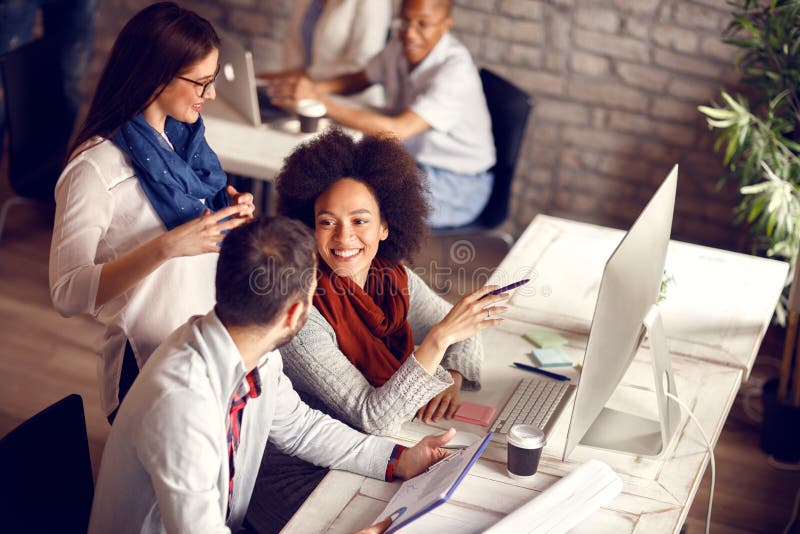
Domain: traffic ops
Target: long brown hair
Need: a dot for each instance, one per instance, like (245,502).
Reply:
(154,46)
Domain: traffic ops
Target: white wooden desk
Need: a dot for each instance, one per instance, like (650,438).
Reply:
(729,300)
(257,151)
(253,151)
(717,309)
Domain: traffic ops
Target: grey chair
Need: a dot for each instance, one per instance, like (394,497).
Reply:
(509,108)
(46,482)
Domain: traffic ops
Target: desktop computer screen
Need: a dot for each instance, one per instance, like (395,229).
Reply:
(624,312)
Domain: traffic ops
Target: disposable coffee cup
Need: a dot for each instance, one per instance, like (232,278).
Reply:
(525,444)
(310,112)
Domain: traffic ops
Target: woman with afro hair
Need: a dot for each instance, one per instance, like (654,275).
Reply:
(355,358)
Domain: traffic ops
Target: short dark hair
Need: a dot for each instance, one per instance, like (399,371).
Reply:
(157,44)
(379,162)
(446,4)
(264,266)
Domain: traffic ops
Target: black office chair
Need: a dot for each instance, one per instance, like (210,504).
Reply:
(38,121)
(46,480)
(509,108)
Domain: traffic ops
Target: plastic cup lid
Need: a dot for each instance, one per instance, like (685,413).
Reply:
(526,437)
(311,108)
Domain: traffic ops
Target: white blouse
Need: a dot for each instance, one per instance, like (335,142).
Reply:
(102,213)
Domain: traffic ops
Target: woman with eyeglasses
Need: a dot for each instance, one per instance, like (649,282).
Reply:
(142,205)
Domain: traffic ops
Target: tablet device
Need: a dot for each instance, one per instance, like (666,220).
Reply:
(421,494)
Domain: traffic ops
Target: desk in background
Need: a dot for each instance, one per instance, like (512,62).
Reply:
(258,151)
(255,152)
(715,316)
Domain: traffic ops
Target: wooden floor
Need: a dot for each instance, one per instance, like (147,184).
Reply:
(44,357)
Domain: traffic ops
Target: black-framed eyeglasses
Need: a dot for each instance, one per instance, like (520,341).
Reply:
(204,86)
(421,25)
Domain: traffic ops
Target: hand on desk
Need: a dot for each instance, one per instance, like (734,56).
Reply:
(277,75)
(416,459)
(287,91)
(444,404)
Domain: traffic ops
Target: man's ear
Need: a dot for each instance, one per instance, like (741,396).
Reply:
(448,23)
(293,315)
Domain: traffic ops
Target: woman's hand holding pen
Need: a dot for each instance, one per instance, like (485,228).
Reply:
(470,315)
(203,234)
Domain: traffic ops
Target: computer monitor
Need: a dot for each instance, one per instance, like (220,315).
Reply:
(626,311)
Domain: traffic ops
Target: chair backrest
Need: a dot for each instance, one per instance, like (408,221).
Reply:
(46,480)
(37,117)
(509,108)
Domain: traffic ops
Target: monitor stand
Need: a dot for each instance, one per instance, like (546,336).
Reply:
(634,434)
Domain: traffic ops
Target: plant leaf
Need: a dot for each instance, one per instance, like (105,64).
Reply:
(733,144)
(717,113)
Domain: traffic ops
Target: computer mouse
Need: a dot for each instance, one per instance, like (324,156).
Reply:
(462,440)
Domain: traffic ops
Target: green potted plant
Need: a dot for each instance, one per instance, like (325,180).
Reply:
(758,133)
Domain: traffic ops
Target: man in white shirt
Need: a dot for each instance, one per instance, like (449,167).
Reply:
(435,104)
(187,442)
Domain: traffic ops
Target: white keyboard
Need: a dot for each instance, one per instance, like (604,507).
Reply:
(564,504)
(534,402)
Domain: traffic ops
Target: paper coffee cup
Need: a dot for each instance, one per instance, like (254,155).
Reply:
(525,444)
(310,112)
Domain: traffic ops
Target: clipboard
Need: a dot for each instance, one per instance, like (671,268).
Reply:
(421,494)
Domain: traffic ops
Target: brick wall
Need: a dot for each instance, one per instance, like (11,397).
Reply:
(615,82)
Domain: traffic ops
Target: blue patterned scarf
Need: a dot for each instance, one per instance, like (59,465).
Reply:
(176,180)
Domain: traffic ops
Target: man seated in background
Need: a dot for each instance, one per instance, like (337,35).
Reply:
(434,103)
(185,448)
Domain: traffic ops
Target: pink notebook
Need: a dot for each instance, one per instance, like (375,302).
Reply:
(477,414)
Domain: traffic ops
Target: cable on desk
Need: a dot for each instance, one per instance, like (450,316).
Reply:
(710,452)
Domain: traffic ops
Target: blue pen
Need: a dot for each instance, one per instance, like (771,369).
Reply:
(533,369)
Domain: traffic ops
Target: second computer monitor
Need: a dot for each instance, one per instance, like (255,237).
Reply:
(625,310)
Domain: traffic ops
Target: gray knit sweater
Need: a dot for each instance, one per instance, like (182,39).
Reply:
(317,368)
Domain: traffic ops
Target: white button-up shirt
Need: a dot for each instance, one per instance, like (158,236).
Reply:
(165,464)
(102,213)
(445,90)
